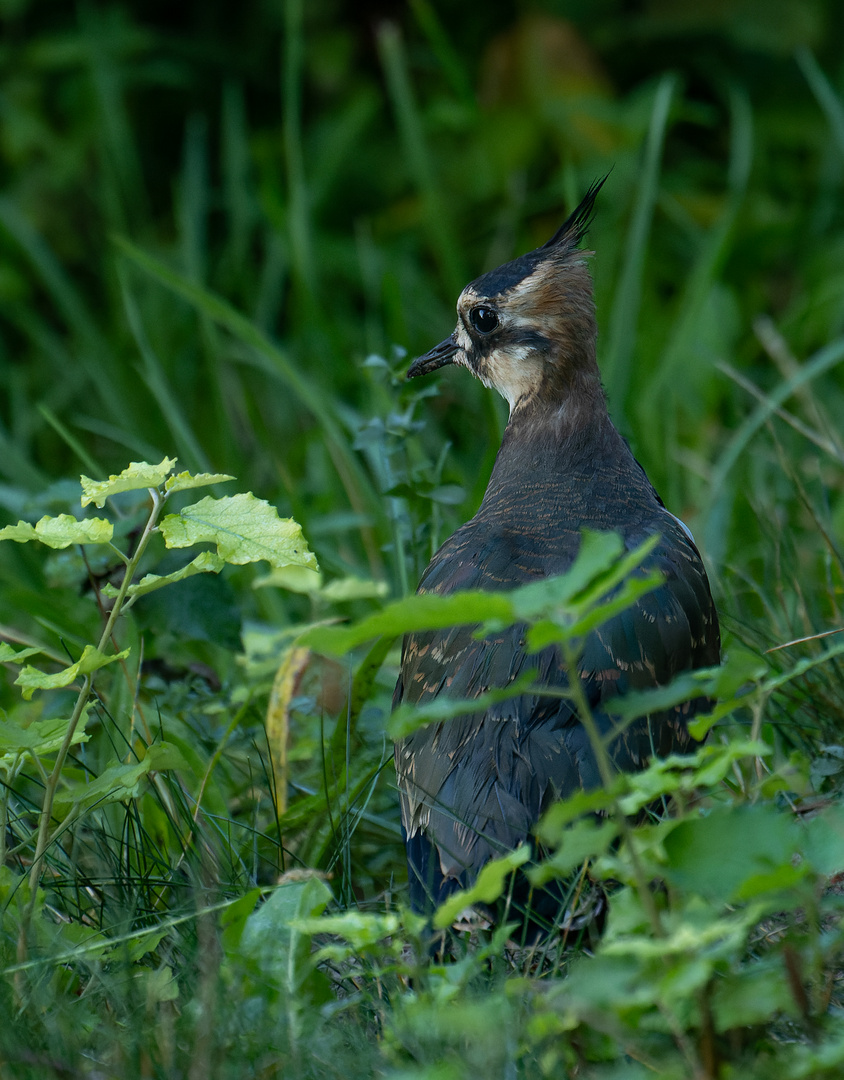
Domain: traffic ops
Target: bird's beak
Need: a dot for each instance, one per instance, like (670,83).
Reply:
(438,357)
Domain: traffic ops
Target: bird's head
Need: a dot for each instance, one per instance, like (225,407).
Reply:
(527,329)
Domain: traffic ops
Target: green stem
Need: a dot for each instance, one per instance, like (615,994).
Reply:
(44,839)
(606,769)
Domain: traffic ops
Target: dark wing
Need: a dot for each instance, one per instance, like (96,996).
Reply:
(476,785)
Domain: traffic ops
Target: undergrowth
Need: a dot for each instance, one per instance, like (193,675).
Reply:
(222,239)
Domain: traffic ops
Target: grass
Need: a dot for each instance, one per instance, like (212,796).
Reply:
(222,242)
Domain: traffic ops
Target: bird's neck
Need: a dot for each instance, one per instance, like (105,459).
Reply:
(557,442)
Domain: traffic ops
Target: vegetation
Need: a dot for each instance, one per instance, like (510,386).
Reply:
(222,235)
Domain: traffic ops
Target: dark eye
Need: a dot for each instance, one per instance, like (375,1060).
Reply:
(484,319)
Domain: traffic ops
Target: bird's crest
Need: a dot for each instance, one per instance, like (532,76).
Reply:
(576,225)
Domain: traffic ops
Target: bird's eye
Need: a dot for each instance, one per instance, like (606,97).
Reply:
(484,319)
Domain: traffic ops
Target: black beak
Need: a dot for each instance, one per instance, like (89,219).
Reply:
(438,357)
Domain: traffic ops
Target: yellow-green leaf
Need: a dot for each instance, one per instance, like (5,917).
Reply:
(487,889)
(206,562)
(9,656)
(137,475)
(184,480)
(61,531)
(244,529)
(31,679)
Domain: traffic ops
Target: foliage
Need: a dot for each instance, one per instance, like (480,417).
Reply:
(221,235)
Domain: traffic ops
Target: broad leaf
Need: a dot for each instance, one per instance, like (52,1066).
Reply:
(136,476)
(61,531)
(244,529)
(276,947)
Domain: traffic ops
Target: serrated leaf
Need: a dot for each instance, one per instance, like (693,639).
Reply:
(136,476)
(183,481)
(204,563)
(244,529)
(61,531)
(31,679)
(9,656)
(586,839)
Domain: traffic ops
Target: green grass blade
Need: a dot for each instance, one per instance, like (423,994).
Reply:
(223,314)
(437,219)
(625,312)
(826,96)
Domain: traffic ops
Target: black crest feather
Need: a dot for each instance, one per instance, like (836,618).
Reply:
(576,225)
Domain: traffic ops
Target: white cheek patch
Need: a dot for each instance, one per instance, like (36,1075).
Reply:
(514,374)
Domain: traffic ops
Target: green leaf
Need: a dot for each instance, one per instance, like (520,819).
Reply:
(275,945)
(41,736)
(426,611)
(752,995)
(486,890)
(136,476)
(586,839)
(823,841)
(9,656)
(183,481)
(407,718)
(204,563)
(597,553)
(61,531)
(116,784)
(734,852)
(245,530)
(354,588)
(298,579)
(362,929)
(31,679)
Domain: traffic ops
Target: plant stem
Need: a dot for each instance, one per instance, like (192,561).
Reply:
(44,840)
(605,768)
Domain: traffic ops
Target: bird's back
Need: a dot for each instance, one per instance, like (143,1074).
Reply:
(474,787)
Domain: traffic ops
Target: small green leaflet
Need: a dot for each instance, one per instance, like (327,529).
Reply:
(9,656)
(245,530)
(38,738)
(183,481)
(31,679)
(114,784)
(137,475)
(425,611)
(206,562)
(61,531)
(487,889)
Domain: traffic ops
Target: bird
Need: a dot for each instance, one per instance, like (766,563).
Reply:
(473,787)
